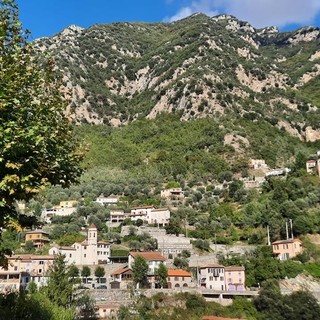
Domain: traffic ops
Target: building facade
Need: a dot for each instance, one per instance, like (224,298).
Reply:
(88,252)
(287,249)
(153,259)
(212,277)
(39,238)
(235,278)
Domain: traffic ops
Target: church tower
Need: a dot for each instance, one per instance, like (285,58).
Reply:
(92,235)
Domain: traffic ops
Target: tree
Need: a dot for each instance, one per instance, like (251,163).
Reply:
(85,272)
(180,262)
(140,271)
(36,141)
(99,272)
(161,275)
(74,271)
(60,286)
(86,307)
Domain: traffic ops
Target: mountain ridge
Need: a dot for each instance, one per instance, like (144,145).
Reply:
(199,67)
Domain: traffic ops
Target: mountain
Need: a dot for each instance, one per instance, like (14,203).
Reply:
(198,67)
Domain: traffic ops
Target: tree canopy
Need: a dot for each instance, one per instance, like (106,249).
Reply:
(36,141)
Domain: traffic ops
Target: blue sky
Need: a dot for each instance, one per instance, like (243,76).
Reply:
(47,17)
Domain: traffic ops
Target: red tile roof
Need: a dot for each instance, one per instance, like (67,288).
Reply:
(178,273)
(149,256)
(92,226)
(31,257)
(120,271)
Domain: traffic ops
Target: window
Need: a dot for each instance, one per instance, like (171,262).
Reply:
(41,262)
(230,280)
(70,255)
(211,278)
(40,270)
(85,255)
(85,247)
(176,278)
(221,278)
(240,280)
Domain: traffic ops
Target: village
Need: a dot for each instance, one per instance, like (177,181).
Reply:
(107,275)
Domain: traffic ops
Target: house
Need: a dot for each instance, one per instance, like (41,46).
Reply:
(153,260)
(107,310)
(120,278)
(140,212)
(212,276)
(118,215)
(11,281)
(313,166)
(220,278)
(88,252)
(235,278)
(287,249)
(257,164)
(65,208)
(179,278)
(24,268)
(39,238)
(171,245)
(159,216)
(172,194)
(112,199)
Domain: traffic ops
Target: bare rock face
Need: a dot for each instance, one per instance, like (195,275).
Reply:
(312,135)
(197,67)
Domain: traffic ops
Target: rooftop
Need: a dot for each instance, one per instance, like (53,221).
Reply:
(149,256)
(37,231)
(142,207)
(235,268)
(287,241)
(213,265)
(178,273)
(120,271)
(31,257)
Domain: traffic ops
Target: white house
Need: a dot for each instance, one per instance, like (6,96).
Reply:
(212,277)
(141,212)
(152,258)
(159,216)
(88,252)
(65,208)
(112,199)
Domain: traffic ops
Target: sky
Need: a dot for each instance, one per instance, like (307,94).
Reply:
(48,17)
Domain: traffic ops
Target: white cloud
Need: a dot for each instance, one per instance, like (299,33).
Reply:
(204,6)
(259,13)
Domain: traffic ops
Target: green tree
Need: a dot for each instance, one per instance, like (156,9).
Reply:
(140,271)
(99,272)
(161,275)
(85,272)
(86,307)
(74,271)
(60,286)
(29,247)
(36,141)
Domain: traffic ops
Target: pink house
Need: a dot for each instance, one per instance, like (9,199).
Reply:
(235,278)
(287,249)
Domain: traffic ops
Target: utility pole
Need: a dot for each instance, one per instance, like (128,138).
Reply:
(291,228)
(268,235)
(287,232)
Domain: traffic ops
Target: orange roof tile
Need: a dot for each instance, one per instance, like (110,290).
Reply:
(120,271)
(92,226)
(178,273)
(149,256)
